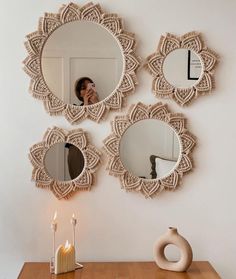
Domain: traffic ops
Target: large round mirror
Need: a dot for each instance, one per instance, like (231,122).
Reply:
(81,62)
(64,161)
(82,49)
(182,68)
(150,149)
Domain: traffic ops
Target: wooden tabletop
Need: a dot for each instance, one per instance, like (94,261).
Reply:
(119,270)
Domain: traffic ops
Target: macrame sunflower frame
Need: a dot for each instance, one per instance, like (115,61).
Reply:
(149,187)
(32,64)
(64,189)
(192,41)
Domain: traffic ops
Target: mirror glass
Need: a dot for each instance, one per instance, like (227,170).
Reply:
(82,49)
(147,139)
(64,161)
(182,68)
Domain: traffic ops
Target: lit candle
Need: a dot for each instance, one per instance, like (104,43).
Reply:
(73,222)
(54,229)
(65,258)
(54,223)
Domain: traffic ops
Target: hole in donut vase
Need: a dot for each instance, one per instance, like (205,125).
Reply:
(172,253)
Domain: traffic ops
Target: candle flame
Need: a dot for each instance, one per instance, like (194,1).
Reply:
(73,216)
(67,245)
(55,216)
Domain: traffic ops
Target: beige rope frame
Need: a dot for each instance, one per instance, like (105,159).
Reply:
(192,41)
(64,189)
(34,45)
(149,187)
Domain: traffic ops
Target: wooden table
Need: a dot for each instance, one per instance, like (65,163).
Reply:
(120,270)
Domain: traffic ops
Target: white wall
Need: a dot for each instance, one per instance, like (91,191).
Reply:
(115,225)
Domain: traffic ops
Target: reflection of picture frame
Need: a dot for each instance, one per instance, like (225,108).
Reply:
(193,66)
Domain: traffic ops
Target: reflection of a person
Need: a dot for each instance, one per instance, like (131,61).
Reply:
(75,161)
(85,91)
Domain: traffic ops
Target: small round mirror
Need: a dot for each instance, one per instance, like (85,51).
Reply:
(64,161)
(82,49)
(182,68)
(150,149)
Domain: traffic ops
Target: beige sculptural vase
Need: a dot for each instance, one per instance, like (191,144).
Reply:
(172,237)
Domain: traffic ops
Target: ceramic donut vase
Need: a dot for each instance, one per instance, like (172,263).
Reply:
(173,237)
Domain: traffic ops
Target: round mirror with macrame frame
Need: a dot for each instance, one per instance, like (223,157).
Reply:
(51,156)
(182,67)
(175,167)
(85,20)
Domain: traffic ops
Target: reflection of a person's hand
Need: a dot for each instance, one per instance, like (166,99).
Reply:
(87,96)
(90,97)
(94,98)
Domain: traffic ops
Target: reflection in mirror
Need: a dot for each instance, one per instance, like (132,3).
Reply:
(182,68)
(64,161)
(82,49)
(150,149)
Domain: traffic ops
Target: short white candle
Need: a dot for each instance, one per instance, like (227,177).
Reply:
(65,258)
